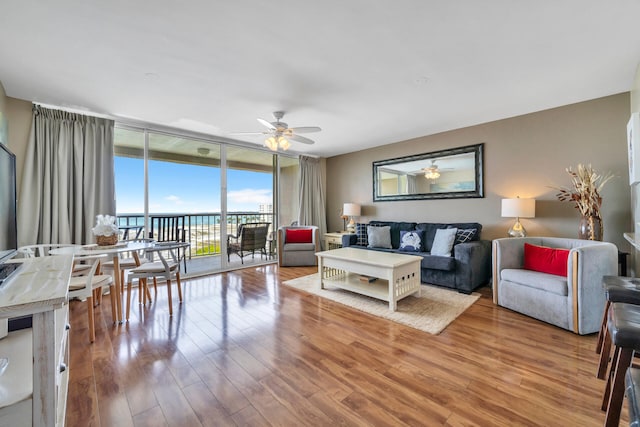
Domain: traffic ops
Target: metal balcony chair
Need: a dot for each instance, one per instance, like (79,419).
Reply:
(251,238)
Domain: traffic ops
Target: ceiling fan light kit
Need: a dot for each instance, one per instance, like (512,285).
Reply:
(280,135)
(432,171)
(273,143)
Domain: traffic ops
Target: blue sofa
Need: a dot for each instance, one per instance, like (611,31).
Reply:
(468,267)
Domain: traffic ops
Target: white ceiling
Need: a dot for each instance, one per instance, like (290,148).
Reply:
(367,72)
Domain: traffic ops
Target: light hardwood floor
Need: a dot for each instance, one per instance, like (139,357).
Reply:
(243,349)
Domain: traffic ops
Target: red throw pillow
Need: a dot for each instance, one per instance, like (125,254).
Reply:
(546,260)
(298,235)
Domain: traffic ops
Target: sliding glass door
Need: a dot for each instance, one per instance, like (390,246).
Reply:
(250,200)
(212,188)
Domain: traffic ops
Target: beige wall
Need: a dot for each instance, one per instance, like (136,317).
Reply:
(19,116)
(524,156)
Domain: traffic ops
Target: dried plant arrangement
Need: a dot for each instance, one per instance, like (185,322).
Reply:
(586,185)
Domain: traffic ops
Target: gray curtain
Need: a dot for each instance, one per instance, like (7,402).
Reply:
(312,204)
(67,177)
(412,187)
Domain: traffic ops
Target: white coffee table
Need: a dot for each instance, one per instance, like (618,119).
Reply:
(397,275)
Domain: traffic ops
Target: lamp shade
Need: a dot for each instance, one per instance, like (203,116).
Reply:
(351,209)
(519,208)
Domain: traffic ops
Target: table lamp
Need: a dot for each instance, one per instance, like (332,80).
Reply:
(518,208)
(351,210)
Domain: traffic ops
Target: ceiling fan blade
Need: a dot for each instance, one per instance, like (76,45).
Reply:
(306,129)
(267,124)
(302,139)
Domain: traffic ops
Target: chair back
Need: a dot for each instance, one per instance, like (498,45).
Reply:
(170,254)
(254,234)
(88,277)
(169,228)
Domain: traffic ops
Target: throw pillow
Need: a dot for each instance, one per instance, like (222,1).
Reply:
(379,237)
(546,260)
(464,235)
(411,241)
(298,235)
(361,235)
(443,241)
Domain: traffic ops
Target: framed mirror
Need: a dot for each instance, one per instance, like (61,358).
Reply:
(447,174)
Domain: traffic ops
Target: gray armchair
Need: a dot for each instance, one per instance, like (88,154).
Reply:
(293,253)
(575,302)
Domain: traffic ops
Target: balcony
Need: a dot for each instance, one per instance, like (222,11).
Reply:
(203,232)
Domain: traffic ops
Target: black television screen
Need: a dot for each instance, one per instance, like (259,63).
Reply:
(8,224)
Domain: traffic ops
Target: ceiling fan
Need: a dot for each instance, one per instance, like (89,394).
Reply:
(432,172)
(279,133)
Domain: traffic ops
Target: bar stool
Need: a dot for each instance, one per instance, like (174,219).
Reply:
(617,289)
(623,325)
(632,382)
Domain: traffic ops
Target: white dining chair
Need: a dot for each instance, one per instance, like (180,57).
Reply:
(43,249)
(128,260)
(90,286)
(170,256)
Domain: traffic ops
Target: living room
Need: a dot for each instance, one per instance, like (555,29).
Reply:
(245,349)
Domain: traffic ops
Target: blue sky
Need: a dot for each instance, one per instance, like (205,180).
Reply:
(176,187)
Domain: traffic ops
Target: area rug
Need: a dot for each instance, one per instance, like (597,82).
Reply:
(433,311)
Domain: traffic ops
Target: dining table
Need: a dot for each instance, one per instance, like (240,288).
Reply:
(111,250)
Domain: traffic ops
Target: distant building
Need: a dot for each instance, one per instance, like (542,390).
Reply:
(265,208)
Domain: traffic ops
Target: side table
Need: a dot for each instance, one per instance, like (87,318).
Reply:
(333,240)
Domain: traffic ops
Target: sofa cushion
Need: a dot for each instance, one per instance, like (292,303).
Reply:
(443,241)
(411,241)
(534,279)
(464,235)
(298,235)
(379,237)
(430,229)
(395,228)
(293,247)
(361,234)
(468,225)
(546,260)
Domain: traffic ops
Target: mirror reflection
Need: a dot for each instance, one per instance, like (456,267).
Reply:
(452,173)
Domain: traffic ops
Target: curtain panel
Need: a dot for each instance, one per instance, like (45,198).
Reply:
(312,200)
(68,177)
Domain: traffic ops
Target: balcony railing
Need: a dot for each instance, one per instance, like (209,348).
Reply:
(202,230)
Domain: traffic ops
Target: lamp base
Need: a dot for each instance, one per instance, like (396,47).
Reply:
(517,230)
(351,227)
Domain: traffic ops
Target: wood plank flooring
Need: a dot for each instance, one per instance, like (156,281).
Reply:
(243,349)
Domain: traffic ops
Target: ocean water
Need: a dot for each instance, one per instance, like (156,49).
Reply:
(199,219)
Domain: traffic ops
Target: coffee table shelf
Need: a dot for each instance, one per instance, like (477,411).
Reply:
(398,275)
(351,282)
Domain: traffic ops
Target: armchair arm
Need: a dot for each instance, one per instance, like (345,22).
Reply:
(587,265)
(506,253)
(473,264)
(234,236)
